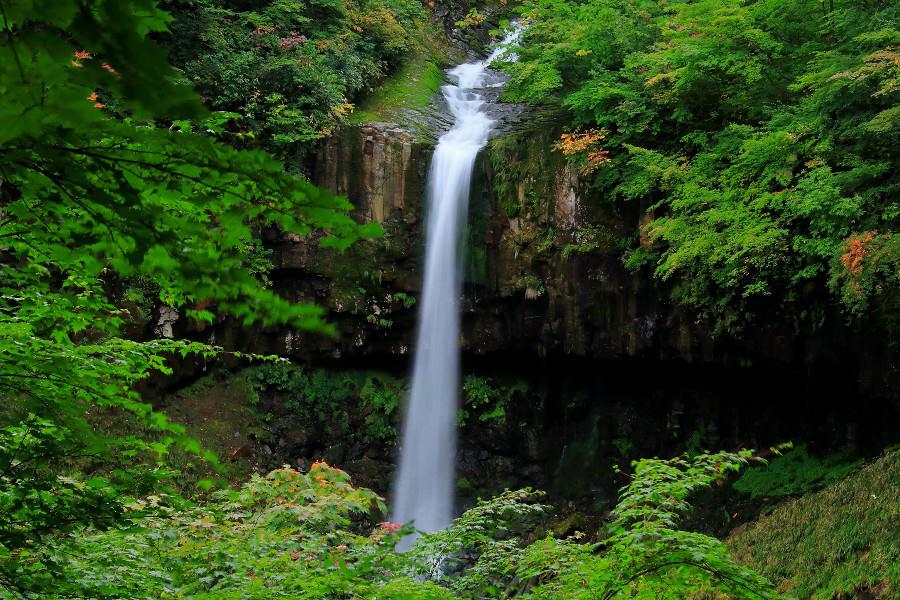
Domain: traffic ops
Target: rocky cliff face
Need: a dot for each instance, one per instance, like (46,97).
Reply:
(370,289)
(541,274)
(543,269)
(374,165)
(596,366)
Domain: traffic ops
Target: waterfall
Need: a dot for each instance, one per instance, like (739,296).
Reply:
(424,487)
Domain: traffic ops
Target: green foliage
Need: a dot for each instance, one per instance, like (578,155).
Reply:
(258,260)
(759,133)
(475,556)
(590,239)
(837,542)
(92,193)
(489,552)
(487,398)
(405,299)
(292,69)
(37,503)
(286,535)
(646,550)
(795,472)
(348,405)
(126,197)
(472,19)
(139,297)
(312,536)
(533,286)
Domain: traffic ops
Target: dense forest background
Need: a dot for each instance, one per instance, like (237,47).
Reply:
(163,354)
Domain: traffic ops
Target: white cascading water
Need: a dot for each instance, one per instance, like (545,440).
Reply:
(424,487)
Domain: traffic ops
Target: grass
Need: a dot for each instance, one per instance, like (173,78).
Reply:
(838,542)
(411,88)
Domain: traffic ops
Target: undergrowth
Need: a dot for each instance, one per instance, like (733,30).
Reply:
(796,472)
(321,397)
(841,540)
(316,536)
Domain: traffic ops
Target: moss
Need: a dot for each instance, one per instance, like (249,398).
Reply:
(796,472)
(480,212)
(475,265)
(838,541)
(489,398)
(525,160)
(412,88)
(581,460)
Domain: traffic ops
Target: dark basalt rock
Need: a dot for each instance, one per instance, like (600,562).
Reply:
(615,370)
(530,285)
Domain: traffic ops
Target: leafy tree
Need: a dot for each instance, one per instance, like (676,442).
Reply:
(760,135)
(94,188)
(292,68)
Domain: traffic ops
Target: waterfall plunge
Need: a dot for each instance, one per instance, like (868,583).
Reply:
(425,484)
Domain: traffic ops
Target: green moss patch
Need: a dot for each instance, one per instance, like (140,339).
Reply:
(796,472)
(411,88)
(839,541)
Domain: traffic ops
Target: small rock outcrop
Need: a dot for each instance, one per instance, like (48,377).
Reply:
(373,165)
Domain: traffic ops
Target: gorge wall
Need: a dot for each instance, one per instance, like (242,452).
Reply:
(543,271)
(597,365)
